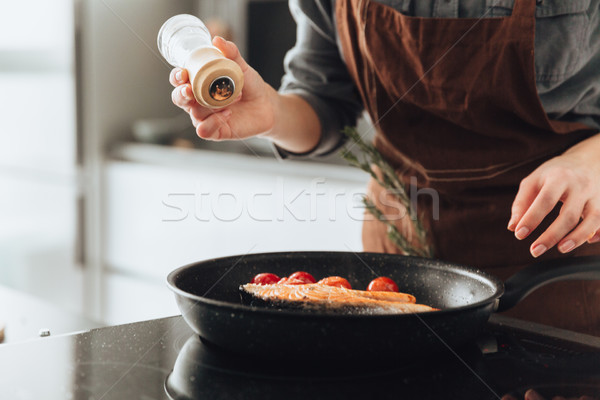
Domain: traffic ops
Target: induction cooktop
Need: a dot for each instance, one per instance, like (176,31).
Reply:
(164,359)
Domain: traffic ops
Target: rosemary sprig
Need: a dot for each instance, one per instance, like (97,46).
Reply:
(370,158)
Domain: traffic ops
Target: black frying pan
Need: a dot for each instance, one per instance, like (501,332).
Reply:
(207,295)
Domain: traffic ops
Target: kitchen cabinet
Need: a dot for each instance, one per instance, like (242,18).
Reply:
(166,208)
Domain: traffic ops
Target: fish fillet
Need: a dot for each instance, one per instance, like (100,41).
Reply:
(322,297)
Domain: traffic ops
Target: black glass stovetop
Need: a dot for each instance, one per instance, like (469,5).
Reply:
(163,359)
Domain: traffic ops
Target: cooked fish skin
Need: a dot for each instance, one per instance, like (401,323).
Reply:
(321,297)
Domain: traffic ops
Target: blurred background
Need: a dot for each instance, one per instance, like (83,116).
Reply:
(105,188)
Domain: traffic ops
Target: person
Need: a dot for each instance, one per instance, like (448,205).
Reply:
(493,104)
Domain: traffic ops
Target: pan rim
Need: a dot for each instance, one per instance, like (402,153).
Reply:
(437,264)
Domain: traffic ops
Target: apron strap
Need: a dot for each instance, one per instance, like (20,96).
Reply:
(524,8)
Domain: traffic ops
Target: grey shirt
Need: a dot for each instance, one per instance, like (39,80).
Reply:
(567,59)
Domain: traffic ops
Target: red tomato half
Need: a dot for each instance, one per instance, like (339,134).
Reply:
(265,279)
(382,284)
(336,281)
(303,276)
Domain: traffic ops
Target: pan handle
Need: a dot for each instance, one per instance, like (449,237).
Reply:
(518,286)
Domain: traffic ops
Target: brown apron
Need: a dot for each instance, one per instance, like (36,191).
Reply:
(455,105)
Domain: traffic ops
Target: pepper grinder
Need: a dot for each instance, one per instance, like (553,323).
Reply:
(185,42)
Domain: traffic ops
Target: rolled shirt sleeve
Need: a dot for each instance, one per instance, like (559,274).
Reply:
(315,71)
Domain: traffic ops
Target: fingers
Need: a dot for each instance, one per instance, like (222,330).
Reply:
(526,195)
(178,76)
(545,201)
(569,217)
(209,124)
(533,395)
(230,50)
(568,231)
(253,109)
(215,127)
(586,231)
(183,97)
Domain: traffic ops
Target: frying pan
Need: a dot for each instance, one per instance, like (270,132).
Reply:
(207,294)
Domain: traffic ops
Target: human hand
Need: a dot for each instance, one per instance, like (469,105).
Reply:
(573,179)
(533,395)
(250,115)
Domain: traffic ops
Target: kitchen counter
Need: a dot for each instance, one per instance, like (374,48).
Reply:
(252,154)
(148,359)
(25,316)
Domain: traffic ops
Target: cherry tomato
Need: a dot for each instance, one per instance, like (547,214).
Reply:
(265,279)
(289,281)
(303,276)
(336,281)
(382,284)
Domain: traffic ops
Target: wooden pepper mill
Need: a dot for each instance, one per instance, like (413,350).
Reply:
(185,42)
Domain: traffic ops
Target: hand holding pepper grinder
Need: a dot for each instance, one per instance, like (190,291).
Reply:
(185,42)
